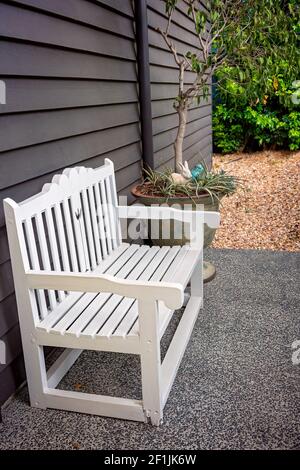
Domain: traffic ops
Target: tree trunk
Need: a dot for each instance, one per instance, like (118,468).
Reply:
(182,115)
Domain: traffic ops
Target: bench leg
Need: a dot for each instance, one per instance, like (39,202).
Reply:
(150,361)
(36,374)
(197,279)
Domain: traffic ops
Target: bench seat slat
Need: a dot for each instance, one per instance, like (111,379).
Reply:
(95,302)
(97,319)
(73,297)
(85,311)
(121,310)
(178,271)
(108,315)
(153,275)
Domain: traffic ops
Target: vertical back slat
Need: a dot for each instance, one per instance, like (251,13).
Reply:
(44,254)
(89,230)
(106,216)
(100,220)
(53,246)
(115,204)
(94,224)
(76,214)
(32,248)
(70,235)
(61,237)
(111,212)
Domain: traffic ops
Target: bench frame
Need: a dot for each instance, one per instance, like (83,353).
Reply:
(157,377)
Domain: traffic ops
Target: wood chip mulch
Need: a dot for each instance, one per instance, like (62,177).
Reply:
(266,213)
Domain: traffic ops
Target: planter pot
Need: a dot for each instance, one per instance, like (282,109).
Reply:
(172,232)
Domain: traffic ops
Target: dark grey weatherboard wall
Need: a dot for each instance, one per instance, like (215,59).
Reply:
(164,78)
(72,99)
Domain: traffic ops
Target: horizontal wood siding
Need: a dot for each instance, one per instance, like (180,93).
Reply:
(72,99)
(164,88)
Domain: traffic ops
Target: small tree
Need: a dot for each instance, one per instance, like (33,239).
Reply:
(213,21)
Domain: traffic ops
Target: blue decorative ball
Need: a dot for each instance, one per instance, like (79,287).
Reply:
(197,171)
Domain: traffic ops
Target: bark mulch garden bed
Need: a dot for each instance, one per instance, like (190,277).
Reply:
(266,213)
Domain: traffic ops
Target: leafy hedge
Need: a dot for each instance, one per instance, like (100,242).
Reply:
(256,101)
(253,128)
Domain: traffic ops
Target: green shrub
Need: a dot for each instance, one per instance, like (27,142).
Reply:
(228,129)
(253,105)
(254,128)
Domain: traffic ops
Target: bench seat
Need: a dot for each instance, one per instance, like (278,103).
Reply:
(110,316)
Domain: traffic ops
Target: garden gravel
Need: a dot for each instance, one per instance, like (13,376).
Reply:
(266,213)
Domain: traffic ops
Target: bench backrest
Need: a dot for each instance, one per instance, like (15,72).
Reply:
(71,225)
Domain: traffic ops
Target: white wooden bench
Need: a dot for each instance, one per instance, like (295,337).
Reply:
(78,286)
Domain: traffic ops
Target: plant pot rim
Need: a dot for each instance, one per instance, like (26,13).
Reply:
(137,193)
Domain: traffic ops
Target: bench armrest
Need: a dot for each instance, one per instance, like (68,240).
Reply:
(136,211)
(170,293)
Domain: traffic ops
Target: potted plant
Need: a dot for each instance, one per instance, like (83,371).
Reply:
(198,185)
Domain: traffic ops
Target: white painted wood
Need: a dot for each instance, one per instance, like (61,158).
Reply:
(114,199)
(105,216)
(132,314)
(111,212)
(197,277)
(77,223)
(183,266)
(78,316)
(53,247)
(100,218)
(27,307)
(123,307)
(150,361)
(178,345)
(137,211)
(62,187)
(164,317)
(103,295)
(70,235)
(170,293)
(178,266)
(54,317)
(112,301)
(88,229)
(61,237)
(31,243)
(93,303)
(95,229)
(131,345)
(45,255)
(61,366)
(95,404)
